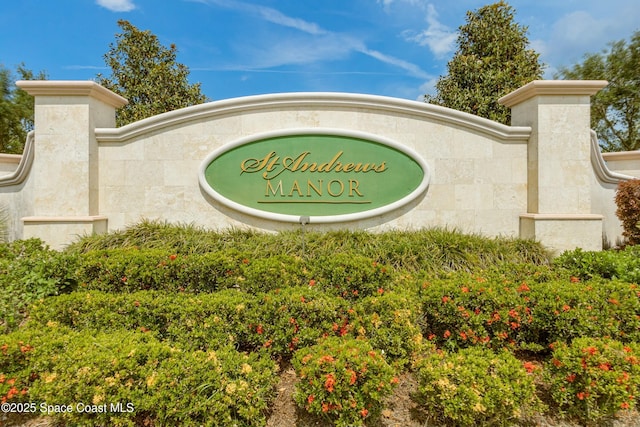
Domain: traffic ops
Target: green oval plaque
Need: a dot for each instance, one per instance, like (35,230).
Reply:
(328,176)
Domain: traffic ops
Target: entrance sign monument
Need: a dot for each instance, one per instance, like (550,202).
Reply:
(327,175)
(327,160)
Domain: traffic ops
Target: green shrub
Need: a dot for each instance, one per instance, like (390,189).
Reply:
(288,319)
(191,321)
(29,271)
(130,270)
(612,264)
(475,386)
(343,380)
(390,323)
(16,372)
(155,383)
(433,250)
(574,309)
(350,275)
(628,209)
(592,379)
(465,310)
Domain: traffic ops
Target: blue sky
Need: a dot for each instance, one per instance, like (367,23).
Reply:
(244,47)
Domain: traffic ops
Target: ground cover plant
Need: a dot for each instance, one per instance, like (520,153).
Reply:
(162,325)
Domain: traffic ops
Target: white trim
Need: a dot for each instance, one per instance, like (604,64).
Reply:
(24,166)
(324,219)
(323,100)
(600,166)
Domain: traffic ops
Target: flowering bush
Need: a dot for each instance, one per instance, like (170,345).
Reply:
(285,320)
(464,310)
(343,379)
(192,321)
(130,378)
(628,209)
(350,275)
(592,379)
(391,324)
(475,386)
(16,373)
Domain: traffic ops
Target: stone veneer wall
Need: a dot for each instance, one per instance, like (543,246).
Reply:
(534,179)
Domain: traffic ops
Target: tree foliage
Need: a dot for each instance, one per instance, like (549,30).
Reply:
(147,74)
(615,110)
(16,109)
(492,60)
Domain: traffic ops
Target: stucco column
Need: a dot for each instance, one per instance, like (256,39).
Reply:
(559,167)
(65,167)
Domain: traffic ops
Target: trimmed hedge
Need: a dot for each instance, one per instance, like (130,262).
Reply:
(153,382)
(467,310)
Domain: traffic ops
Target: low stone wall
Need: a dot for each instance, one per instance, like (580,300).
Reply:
(535,179)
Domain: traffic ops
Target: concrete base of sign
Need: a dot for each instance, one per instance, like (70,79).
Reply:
(67,229)
(585,231)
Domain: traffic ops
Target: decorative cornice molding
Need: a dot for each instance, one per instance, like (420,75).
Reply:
(600,167)
(553,88)
(72,88)
(321,100)
(622,155)
(24,166)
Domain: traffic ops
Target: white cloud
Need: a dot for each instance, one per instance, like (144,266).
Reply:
(412,69)
(117,5)
(438,37)
(277,17)
(320,45)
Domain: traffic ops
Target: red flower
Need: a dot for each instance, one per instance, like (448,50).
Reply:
(571,378)
(582,395)
(465,290)
(352,377)
(12,392)
(310,399)
(327,358)
(329,383)
(574,279)
(624,405)
(445,299)
(380,291)
(312,282)
(529,367)
(173,257)
(447,334)
(566,307)
(605,366)
(364,413)
(590,350)
(259,329)
(523,288)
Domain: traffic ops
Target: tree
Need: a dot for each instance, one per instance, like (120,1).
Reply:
(492,60)
(147,74)
(615,110)
(16,109)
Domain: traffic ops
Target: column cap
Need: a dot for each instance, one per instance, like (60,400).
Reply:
(552,87)
(72,88)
